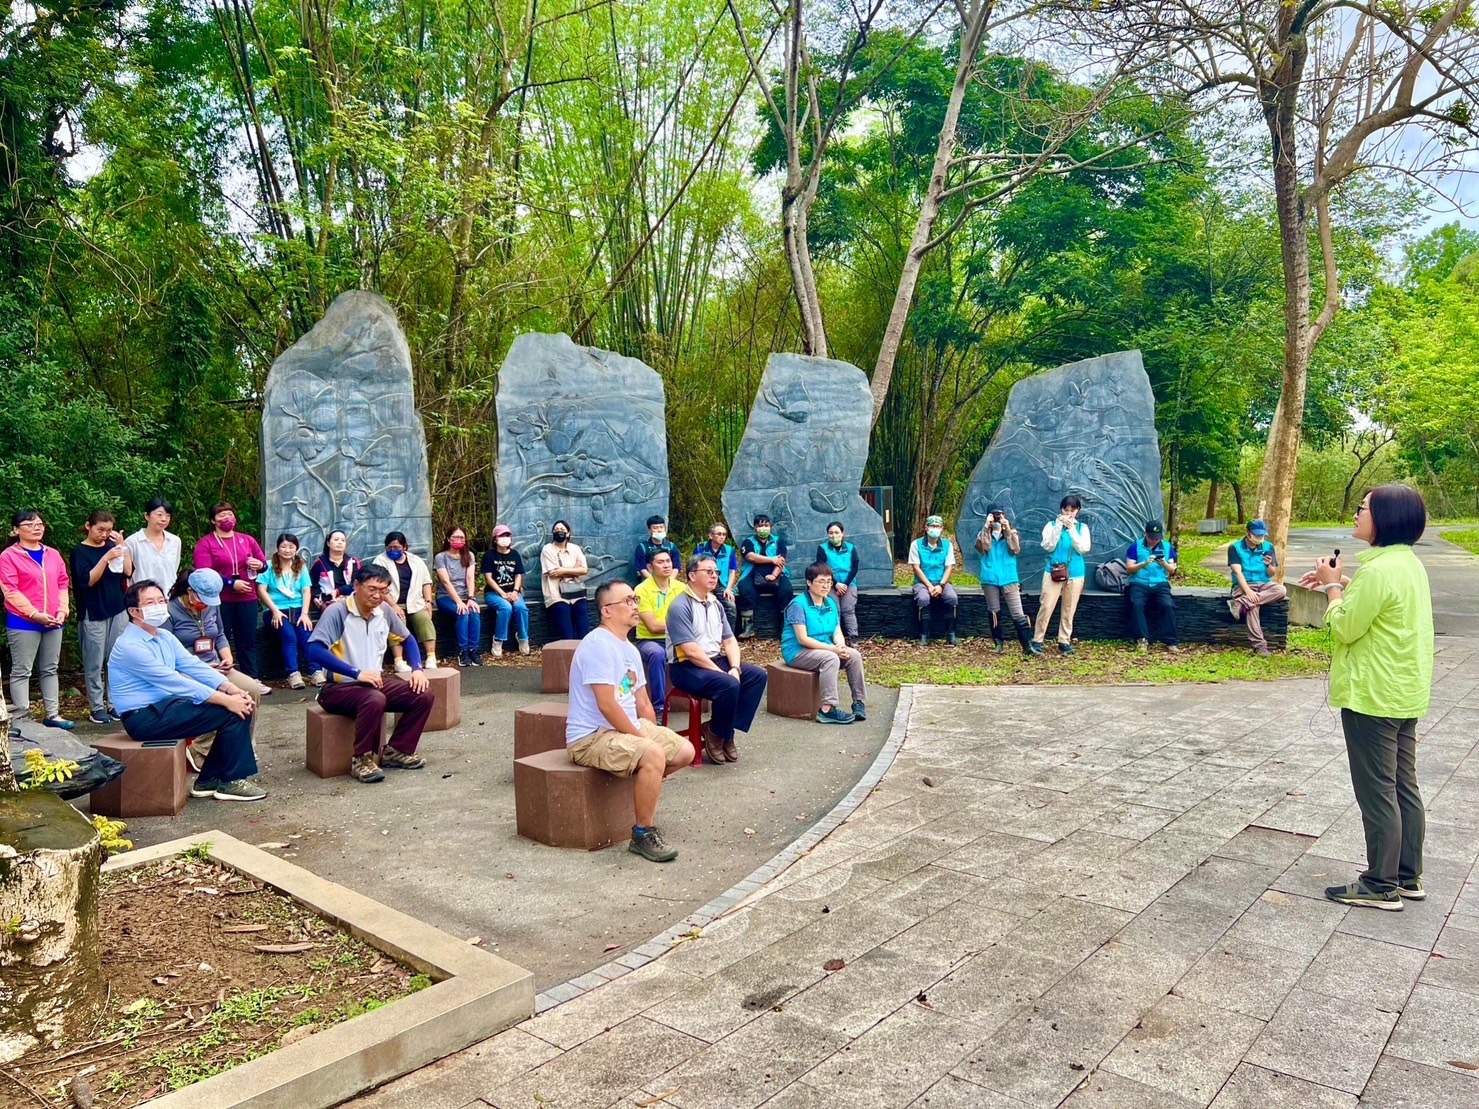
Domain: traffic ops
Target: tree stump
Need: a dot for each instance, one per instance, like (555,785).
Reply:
(51,975)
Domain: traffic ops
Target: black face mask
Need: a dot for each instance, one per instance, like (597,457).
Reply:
(561,536)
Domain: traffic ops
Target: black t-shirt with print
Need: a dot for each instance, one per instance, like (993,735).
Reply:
(505,568)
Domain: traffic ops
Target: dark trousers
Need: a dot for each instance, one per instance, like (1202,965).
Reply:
(754,584)
(239,626)
(735,702)
(231,758)
(654,654)
(567,620)
(293,636)
(1383,755)
(368,706)
(1152,597)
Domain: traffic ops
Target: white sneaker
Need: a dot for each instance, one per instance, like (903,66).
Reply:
(320,676)
(497,650)
(523,646)
(295,680)
(431,662)
(402,666)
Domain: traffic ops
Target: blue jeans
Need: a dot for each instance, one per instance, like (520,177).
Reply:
(1152,597)
(566,620)
(231,757)
(505,611)
(469,625)
(292,635)
(654,654)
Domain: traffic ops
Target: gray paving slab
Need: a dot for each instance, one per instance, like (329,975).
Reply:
(1041,1055)
(1380,974)
(1105,1090)
(1185,1048)
(1454,964)
(448,1083)
(951,1092)
(851,1000)
(1402,1084)
(1253,1087)
(726,1075)
(1331,1041)
(1244,977)
(1265,846)
(1439,1027)
(1297,924)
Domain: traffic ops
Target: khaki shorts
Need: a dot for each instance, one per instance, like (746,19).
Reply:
(618,753)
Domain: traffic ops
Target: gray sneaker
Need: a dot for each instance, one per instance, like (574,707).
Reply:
(240,790)
(205,787)
(652,847)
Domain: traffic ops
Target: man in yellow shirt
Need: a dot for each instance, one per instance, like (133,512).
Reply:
(654,595)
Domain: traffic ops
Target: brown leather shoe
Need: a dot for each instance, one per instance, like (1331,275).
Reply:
(731,752)
(713,747)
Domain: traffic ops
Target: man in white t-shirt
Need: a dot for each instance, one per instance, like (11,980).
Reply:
(612,725)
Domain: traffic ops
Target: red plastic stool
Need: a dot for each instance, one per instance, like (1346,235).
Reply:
(695,733)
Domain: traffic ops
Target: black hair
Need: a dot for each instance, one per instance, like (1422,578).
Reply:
(396,537)
(817,570)
(158,502)
(661,553)
(182,584)
(700,560)
(369,572)
(1070,501)
(101,515)
(559,523)
(653,521)
(760,518)
(604,590)
(1398,514)
(327,535)
(136,590)
(295,567)
(839,525)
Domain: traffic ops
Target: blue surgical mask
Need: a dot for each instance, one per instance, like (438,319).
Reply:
(396,556)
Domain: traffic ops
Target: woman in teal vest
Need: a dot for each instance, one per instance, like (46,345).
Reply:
(1066,539)
(842,557)
(811,639)
(1000,544)
(1381,679)
(932,558)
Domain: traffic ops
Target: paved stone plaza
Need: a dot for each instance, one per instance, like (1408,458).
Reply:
(1079,897)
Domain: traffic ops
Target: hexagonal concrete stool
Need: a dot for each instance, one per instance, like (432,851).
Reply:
(561,804)
(446,686)
(555,658)
(155,781)
(792,692)
(540,727)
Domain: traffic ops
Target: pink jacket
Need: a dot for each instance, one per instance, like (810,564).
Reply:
(44,587)
(228,557)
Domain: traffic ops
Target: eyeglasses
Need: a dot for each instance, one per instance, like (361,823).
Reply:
(704,570)
(824,581)
(631,601)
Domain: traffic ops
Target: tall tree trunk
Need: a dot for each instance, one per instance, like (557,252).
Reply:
(929,209)
(1237,489)
(1212,490)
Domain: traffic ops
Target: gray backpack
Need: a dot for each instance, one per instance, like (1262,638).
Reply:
(1111,576)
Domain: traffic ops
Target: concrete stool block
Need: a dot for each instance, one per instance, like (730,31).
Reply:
(792,692)
(540,727)
(555,658)
(331,742)
(561,804)
(155,782)
(446,686)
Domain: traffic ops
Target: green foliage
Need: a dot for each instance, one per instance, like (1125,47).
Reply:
(1467,538)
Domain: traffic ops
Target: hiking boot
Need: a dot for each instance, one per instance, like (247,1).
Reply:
(1034,648)
(1142,646)
(402,666)
(240,790)
(1235,606)
(523,646)
(1065,648)
(496,650)
(366,768)
(205,787)
(391,759)
(731,752)
(1356,893)
(651,846)
(859,710)
(295,680)
(835,715)
(1412,890)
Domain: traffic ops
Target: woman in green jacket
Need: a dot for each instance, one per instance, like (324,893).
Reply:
(1381,679)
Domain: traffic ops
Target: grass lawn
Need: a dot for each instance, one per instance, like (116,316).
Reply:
(895,662)
(1468,539)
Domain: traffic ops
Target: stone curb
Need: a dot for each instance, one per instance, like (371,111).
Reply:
(476,995)
(739,893)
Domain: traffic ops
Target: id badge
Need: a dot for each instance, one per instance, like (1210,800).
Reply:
(204,645)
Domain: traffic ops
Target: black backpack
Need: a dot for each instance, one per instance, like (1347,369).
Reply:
(1111,576)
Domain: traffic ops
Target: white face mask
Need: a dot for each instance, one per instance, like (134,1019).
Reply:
(934,533)
(659,536)
(156,616)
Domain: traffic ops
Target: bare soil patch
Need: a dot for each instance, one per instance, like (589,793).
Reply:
(206,970)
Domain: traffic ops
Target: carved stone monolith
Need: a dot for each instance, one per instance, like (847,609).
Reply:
(1086,428)
(342,442)
(801,462)
(581,438)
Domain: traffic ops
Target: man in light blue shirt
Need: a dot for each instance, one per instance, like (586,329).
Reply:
(163,692)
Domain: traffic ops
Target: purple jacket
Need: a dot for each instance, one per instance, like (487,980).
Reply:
(228,557)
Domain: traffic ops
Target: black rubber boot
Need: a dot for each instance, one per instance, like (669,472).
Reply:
(924,623)
(950,628)
(747,625)
(1024,636)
